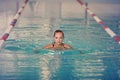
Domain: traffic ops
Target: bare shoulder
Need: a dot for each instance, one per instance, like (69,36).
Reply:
(67,46)
(48,46)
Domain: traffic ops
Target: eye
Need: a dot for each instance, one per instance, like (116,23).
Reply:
(61,37)
(56,37)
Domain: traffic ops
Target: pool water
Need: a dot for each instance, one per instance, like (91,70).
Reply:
(96,56)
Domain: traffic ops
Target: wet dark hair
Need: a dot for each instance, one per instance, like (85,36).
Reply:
(58,31)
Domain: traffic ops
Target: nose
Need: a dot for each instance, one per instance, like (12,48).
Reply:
(58,40)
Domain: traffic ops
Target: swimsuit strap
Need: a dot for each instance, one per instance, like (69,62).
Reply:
(53,44)
(63,45)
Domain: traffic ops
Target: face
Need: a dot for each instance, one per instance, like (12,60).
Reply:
(58,38)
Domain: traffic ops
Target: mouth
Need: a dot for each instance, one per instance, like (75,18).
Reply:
(59,43)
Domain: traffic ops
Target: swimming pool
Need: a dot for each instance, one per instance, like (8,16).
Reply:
(95,56)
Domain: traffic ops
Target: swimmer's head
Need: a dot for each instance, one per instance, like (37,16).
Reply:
(58,36)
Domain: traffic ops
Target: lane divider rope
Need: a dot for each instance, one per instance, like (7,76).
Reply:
(12,24)
(99,21)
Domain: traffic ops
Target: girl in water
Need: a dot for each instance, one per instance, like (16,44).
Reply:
(58,42)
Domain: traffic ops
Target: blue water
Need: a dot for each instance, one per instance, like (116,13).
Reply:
(96,56)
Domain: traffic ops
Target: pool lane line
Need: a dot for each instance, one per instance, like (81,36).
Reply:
(99,21)
(12,24)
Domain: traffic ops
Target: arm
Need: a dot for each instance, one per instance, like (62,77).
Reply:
(48,46)
(67,46)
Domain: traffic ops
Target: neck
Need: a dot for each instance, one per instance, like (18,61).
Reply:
(58,44)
